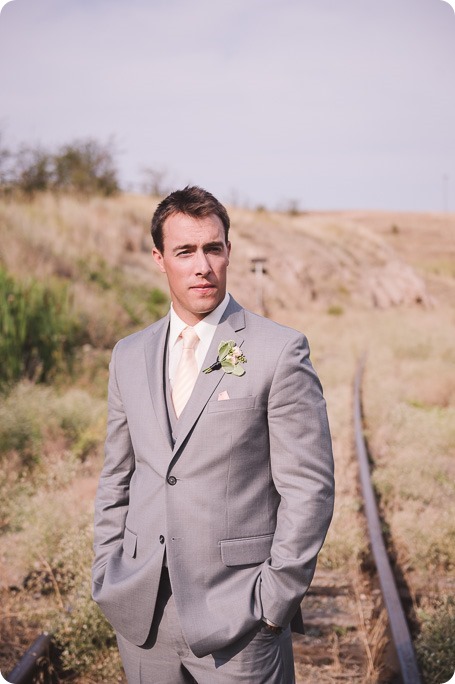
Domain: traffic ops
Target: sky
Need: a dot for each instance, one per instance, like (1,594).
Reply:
(318,104)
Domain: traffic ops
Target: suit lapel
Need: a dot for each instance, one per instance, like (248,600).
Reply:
(232,321)
(155,347)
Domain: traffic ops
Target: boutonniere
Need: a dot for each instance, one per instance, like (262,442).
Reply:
(230,358)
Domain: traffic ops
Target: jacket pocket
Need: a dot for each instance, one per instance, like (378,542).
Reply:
(246,551)
(231,404)
(130,543)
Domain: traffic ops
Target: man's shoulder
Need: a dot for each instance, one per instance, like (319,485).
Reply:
(255,323)
(268,328)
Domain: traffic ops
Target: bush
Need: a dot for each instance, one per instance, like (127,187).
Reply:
(44,435)
(436,644)
(83,633)
(87,167)
(38,332)
(83,167)
(33,416)
(158,297)
(82,419)
(21,432)
(33,172)
(62,543)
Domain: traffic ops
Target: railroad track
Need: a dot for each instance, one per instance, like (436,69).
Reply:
(396,616)
(35,664)
(340,612)
(356,626)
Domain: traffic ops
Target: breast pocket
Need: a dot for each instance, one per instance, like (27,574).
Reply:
(242,404)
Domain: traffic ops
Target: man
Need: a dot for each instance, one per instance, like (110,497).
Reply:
(217,488)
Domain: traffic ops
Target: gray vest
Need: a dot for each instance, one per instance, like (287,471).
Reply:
(172,418)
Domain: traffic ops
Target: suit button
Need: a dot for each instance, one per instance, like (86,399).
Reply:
(172,480)
(161,539)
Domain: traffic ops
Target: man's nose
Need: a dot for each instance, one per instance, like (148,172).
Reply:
(203,267)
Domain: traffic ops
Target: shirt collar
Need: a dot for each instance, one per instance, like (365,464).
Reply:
(203,329)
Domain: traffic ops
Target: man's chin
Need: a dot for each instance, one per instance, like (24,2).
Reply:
(205,303)
(205,309)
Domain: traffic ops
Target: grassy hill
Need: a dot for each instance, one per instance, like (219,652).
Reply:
(352,281)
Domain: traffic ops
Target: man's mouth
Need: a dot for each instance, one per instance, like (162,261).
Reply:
(203,288)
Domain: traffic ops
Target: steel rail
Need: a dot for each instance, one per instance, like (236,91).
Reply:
(27,666)
(397,621)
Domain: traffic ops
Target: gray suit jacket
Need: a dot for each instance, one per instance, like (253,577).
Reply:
(241,501)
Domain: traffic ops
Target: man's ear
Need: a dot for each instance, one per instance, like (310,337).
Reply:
(158,257)
(228,245)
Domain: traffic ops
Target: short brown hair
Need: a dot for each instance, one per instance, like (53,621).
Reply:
(193,201)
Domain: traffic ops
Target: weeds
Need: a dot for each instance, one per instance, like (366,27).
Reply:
(21,423)
(43,436)
(436,644)
(38,332)
(58,557)
(32,414)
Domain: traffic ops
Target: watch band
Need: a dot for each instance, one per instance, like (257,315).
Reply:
(275,629)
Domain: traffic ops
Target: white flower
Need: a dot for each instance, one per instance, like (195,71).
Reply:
(230,357)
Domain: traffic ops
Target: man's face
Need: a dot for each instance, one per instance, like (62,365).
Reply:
(195,259)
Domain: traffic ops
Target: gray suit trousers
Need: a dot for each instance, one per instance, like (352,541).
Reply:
(259,657)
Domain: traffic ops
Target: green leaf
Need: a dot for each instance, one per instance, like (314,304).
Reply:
(238,370)
(225,348)
(227,366)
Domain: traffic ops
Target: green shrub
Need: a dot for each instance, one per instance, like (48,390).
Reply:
(436,644)
(84,167)
(22,417)
(44,435)
(33,170)
(158,297)
(158,303)
(140,304)
(38,331)
(82,420)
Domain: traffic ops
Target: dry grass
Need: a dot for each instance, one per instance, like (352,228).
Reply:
(100,247)
(52,557)
(410,407)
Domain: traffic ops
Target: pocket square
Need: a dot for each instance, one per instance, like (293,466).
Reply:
(223,396)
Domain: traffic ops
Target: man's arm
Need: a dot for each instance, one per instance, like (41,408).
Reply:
(302,470)
(112,498)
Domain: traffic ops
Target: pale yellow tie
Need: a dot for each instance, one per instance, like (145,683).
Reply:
(187,371)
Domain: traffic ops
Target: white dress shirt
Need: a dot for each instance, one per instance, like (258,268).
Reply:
(205,330)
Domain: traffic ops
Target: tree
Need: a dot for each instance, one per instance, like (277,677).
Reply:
(33,170)
(85,166)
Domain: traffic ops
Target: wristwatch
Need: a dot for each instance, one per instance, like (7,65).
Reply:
(275,629)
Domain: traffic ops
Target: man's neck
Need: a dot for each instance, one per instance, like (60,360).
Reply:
(211,317)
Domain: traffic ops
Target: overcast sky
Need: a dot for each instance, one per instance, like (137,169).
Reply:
(329,103)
